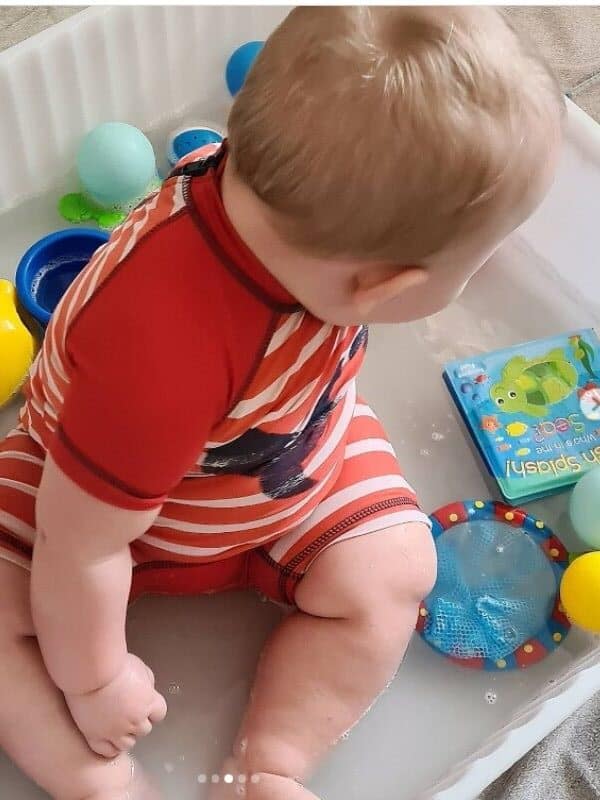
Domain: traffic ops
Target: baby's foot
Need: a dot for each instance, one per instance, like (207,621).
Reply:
(276,787)
(138,788)
(141,788)
(231,785)
(234,785)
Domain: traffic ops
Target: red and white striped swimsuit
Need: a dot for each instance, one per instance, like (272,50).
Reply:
(177,372)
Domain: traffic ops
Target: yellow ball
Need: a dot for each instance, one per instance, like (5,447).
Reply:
(580,592)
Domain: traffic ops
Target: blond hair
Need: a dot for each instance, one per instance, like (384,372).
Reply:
(384,133)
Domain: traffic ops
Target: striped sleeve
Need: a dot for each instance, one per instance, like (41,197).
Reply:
(148,379)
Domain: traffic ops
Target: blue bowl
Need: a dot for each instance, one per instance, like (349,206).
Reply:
(50,265)
(185,140)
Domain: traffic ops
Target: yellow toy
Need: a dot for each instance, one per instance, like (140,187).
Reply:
(580,592)
(17,345)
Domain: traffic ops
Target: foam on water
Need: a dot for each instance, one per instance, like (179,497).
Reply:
(51,282)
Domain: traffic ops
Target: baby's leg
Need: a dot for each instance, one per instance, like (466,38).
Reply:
(36,730)
(327,663)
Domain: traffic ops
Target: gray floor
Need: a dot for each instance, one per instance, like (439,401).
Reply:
(20,22)
(565,766)
(569,37)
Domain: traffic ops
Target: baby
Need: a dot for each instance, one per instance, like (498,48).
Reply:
(192,423)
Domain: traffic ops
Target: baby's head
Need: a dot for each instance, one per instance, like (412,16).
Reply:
(391,150)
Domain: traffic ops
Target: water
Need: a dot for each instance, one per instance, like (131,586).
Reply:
(212,644)
(52,281)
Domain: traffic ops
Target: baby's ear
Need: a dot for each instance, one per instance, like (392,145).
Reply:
(376,285)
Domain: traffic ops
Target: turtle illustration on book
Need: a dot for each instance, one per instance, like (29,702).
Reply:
(531,385)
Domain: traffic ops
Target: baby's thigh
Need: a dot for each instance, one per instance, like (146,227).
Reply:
(387,572)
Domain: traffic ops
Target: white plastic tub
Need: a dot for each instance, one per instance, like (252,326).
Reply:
(433,735)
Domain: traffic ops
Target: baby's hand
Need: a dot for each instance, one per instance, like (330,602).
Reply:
(114,717)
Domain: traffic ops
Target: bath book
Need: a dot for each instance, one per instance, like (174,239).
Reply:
(533,411)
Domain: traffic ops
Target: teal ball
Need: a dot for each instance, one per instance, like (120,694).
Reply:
(116,164)
(585,508)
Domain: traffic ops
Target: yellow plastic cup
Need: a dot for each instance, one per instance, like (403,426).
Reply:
(17,345)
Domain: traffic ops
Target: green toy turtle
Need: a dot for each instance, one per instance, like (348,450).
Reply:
(530,385)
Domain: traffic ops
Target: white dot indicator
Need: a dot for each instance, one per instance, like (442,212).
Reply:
(228,778)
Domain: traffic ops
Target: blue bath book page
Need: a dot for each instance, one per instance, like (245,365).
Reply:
(533,411)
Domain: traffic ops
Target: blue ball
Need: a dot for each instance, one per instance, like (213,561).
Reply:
(116,164)
(186,140)
(239,65)
(585,508)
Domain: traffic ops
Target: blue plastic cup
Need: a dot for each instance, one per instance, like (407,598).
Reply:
(50,265)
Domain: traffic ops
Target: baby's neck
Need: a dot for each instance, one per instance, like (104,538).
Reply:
(250,218)
(301,275)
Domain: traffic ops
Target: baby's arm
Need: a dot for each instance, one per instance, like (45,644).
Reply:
(139,402)
(80,584)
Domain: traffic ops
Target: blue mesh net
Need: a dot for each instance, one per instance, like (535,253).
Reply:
(495,590)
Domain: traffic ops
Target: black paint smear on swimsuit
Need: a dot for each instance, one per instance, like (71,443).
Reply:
(276,459)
